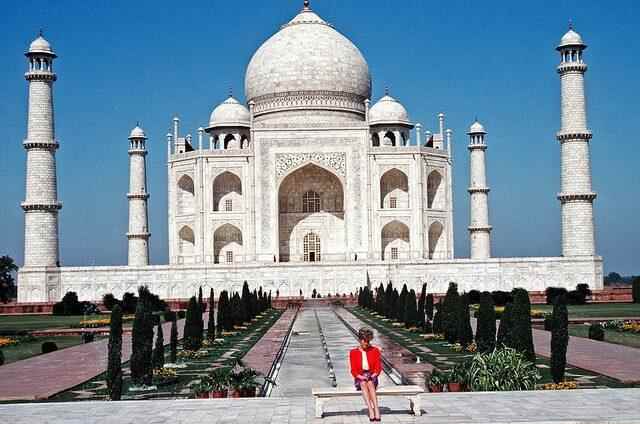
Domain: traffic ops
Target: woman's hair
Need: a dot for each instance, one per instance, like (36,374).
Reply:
(365,333)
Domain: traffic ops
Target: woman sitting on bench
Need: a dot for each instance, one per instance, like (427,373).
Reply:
(366,366)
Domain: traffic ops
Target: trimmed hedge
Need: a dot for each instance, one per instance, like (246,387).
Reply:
(596,332)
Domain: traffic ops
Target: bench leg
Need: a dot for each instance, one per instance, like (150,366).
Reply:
(319,407)
(414,405)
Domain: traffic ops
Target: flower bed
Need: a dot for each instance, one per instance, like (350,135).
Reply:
(565,385)
(622,326)
(100,322)
(8,341)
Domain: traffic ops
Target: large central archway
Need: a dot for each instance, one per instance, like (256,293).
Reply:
(311,200)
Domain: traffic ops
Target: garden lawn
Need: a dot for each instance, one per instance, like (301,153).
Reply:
(225,353)
(610,336)
(27,349)
(443,357)
(12,323)
(598,310)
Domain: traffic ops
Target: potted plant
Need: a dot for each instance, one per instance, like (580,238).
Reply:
(436,381)
(457,378)
(219,379)
(244,382)
(202,389)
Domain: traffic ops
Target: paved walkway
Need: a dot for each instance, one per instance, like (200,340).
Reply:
(42,376)
(613,360)
(620,406)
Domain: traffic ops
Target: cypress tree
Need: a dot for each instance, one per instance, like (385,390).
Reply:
(388,300)
(244,313)
(192,334)
(410,310)
(114,367)
(397,306)
(174,339)
(200,300)
(403,303)
(421,305)
(269,300)
(450,306)
(559,338)
(225,322)
(437,319)
(521,336)
(504,330)
(158,351)
(486,330)
(428,307)
(211,323)
(464,332)
(142,340)
(380,306)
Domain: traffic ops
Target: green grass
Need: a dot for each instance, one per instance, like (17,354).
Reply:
(38,322)
(610,336)
(28,349)
(443,357)
(592,310)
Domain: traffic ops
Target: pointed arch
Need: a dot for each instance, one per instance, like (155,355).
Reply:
(395,241)
(227,192)
(227,244)
(394,190)
(435,191)
(186,241)
(186,195)
(436,242)
(231,142)
(389,139)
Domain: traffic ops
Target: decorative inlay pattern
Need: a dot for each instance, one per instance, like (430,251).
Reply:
(333,160)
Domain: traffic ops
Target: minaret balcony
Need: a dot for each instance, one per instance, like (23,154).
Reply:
(141,196)
(573,135)
(40,76)
(576,197)
(564,68)
(472,190)
(36,206)
(34,144)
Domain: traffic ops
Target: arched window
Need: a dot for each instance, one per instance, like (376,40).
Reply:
(227,192)
(389,139)
(394,184)
(227,239)
(311,248)
(435,191)
(186,241)
(395,241)
(186,195)
(310,202)
(230,142)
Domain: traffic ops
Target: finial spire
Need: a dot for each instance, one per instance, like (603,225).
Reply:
(386,90)
(306,5)
(137,123)
(570,25)
(40,33)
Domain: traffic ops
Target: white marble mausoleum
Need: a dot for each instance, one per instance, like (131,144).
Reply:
(309,183)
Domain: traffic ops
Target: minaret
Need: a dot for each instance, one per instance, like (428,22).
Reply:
(41,204)
(576,196)
(479,228)
(138,234)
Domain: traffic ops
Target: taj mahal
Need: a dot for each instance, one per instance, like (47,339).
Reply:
(311,183)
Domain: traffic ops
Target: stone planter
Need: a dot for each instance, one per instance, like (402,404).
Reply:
(248,392)
(203,395)
(454,387)
(436,388)
(235,393)
(219,394)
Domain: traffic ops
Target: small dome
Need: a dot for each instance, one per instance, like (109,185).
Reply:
(388,111)
(476,128)
(230,113)
(137,132)
(571,38)
(40,45)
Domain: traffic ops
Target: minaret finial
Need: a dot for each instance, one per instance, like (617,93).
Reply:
(41,33)
(386,90)
(306,5)
(570,25)
(137,123)
(230,91)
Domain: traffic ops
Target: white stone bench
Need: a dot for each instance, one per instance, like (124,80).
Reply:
(321,396)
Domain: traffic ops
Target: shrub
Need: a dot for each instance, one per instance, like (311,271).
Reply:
(449,316)
(69,305)
(142,340)
(548,323)
(182,314)
(552,292)
(48,347)
(129,303)
(559,339)
(504,330)
(410,309)
(501,298)
(192,330)
(88,337)
(211,323)
(635,290)
(596,332)
(421,306)
(114,358)
(428,307)
(521,338)
(158,351)
(501,370)
(486,330)
(464,331)
(437,319)
(474,297)
(1,358)
(109,301)
(174,341)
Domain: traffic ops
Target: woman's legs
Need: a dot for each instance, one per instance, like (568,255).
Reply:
(373,397)
(367,399)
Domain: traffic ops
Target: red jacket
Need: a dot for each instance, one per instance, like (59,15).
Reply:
(373,358)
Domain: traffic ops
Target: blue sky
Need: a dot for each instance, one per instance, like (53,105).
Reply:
(121,61)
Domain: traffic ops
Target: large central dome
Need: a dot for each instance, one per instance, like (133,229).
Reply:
(307,65)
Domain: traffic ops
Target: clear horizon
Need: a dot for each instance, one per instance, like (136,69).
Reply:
(120,63)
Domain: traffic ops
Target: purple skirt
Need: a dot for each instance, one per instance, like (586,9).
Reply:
(369,377)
